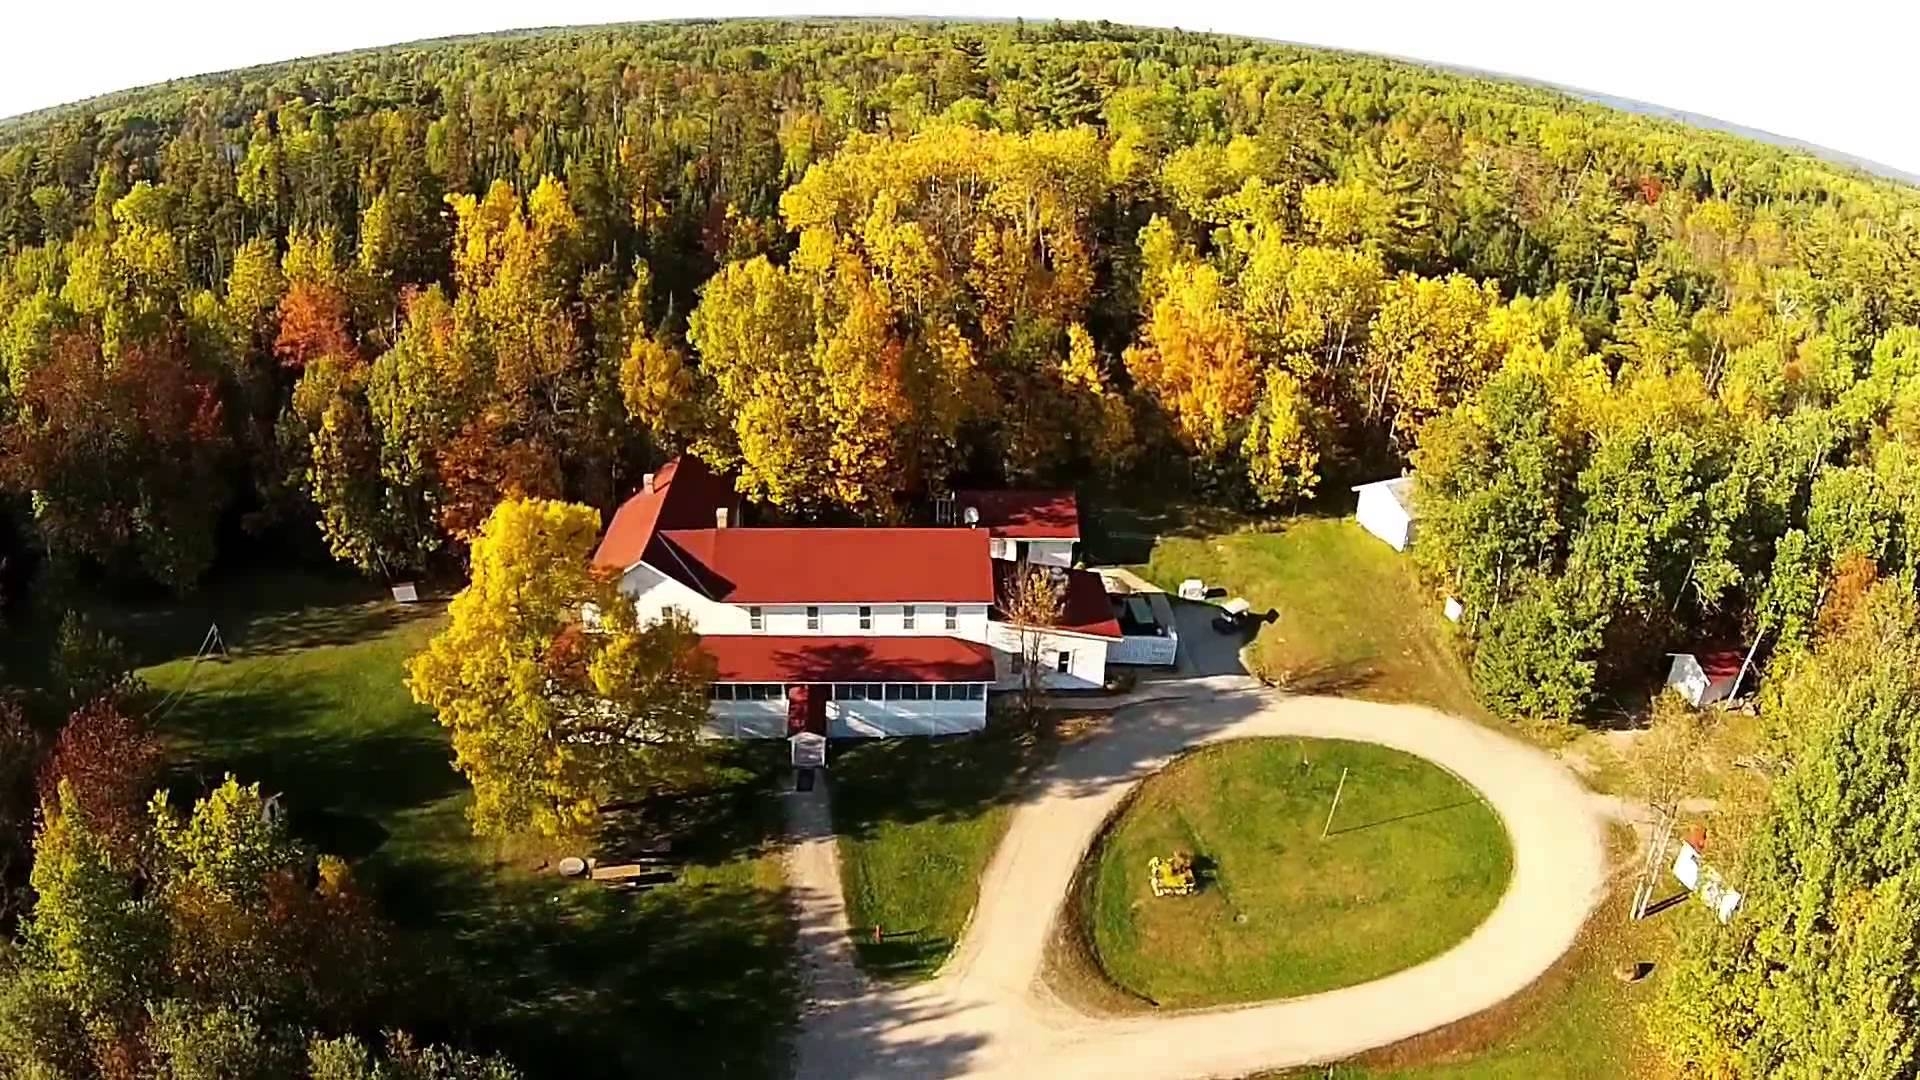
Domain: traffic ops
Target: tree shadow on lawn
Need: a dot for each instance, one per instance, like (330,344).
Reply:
(339,785)
(728,814)
(1331,679)
(902,954)
(259,612)
(571,978)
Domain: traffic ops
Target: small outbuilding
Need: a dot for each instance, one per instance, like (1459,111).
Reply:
(1706,677)
(1385,509)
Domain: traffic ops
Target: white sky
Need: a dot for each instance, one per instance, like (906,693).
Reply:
(1840,73)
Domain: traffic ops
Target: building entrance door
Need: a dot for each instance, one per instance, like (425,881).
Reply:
(807,709)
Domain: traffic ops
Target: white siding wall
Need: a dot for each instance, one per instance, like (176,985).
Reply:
(1382,515)
(1086,668)
(653,592)
(1687,676)
(889,620)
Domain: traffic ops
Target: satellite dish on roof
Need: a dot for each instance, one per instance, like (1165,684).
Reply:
(971,515)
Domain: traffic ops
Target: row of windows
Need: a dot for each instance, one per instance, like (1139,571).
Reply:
(909,617)
(772,691)
(855,691)
(909,691)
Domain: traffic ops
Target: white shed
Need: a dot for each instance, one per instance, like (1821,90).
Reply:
(1386,510)
(1707,677)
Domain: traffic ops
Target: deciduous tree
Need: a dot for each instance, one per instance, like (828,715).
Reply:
(554,716)
(1815,974)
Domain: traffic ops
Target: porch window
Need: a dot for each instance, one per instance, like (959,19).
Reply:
(1017,662)
(1064,664)
(813,618)
(943,692)
(953,617)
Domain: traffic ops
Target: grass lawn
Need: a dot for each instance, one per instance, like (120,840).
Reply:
(1353,618)
(1579,1022)
(567,979)
(918,820)
(1413,863)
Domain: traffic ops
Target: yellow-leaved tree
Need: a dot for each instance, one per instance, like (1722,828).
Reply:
(560,700)
(936,288)
(1282,450)
(1194,362)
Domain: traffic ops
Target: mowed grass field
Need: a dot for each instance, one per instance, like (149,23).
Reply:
(1353,618)
(1413,861)
(918,821)
(568,979)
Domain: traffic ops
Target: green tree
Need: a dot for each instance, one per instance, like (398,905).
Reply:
(1815,975)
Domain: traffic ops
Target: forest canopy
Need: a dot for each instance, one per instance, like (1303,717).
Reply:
(1658,384)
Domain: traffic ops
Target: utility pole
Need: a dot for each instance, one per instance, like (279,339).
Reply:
(1342,786)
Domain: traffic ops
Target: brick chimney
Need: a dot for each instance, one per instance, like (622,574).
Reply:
(719,517)
(646,482)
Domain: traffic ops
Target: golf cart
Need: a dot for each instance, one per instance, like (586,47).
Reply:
(1234,616)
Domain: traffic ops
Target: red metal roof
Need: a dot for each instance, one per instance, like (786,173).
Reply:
(684,495)
(831,566)
(1084,606)
(1025,515)
(1721,663)
(814,658)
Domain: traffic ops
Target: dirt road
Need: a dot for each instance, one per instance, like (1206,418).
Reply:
(988,1013)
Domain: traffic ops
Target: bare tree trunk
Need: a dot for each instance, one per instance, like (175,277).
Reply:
(1034,603)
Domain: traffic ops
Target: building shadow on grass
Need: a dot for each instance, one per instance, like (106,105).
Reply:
(942,778)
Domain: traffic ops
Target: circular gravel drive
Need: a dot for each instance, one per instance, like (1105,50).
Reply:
(989,1014)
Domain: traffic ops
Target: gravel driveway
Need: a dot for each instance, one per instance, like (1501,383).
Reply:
(988,1014)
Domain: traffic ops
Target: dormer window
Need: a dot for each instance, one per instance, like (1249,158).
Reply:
(866,617)
(953,617)
(756,619)
(906,617)
(813,618)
